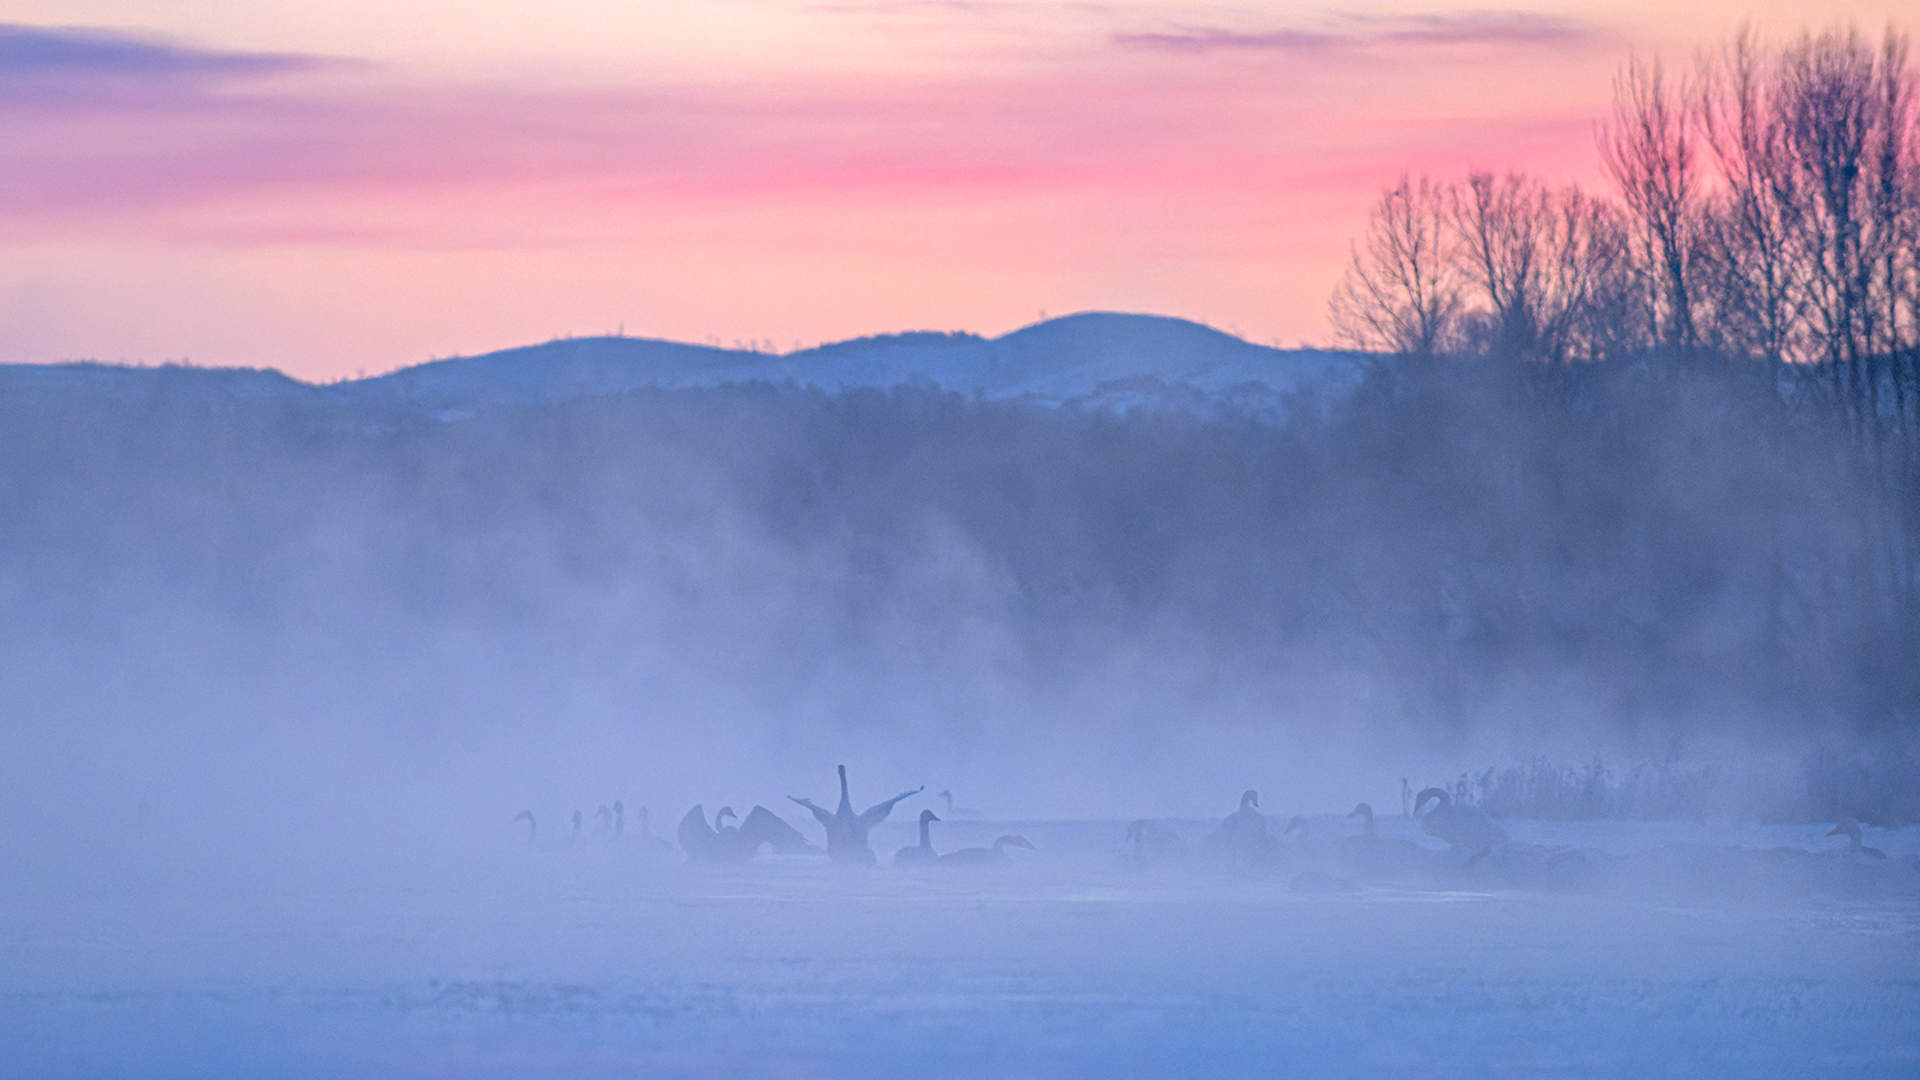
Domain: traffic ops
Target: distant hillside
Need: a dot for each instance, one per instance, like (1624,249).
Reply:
(1096,354)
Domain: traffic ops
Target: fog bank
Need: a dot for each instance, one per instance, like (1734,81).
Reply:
(230,606)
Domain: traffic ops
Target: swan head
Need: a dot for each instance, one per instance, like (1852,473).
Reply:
(1431,793)
(927,815)
(1249,798)
(725,812)
(619,808)
(1847,827)
(1015,841)
(843,774)
(524,815)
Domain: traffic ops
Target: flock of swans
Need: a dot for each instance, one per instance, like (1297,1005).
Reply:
(1477,849)
(738,842)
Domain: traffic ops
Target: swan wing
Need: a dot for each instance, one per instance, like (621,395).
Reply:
(877,813)
(820,814)
(696,836)
(764,826)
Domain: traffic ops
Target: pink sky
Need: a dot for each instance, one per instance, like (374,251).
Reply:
(332,188)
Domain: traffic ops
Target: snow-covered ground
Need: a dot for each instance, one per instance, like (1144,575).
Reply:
(1673,950)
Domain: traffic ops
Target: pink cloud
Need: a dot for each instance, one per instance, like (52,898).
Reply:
(190,197)
(368,136)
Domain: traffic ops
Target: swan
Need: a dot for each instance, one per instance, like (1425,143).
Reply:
(1850,829)
(1243,836)
(1365,812)
(1372,854)
(704,843)
(1247,820)
(771,829)
(846,830)
(604,816)
(648,843)
(576,825)
(737,843)
(619,818)
(1152,843)
(534,843)
(979,856)
(1464,828)
(924,852)
(955,811)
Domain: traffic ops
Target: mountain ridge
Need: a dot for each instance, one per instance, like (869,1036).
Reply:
(1069,358)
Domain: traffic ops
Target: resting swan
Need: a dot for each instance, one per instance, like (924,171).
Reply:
(1851,829)
(648,843)
(924,852)
(1464,828)
(1372,855)
(979,856)
(1243,836)
(1151,843)
(533,835)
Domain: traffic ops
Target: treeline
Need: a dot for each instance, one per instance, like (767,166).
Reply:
(1767,206)
(1765,211)
(1634,550)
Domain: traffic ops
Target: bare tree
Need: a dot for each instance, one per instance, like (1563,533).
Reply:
(1828,113)
(1754,280)
(1402,289)
(1816,144)
(1498,220)
(1544,260)
(1649,151)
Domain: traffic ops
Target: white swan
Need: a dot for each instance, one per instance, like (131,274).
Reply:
(737,843)
(1372,855)
(979,856)
(846,830)
(952,810)
(1151,843)
(1243,837)
(923,853)
(644,839)
(1851,829)
(534,843)
(1464,828)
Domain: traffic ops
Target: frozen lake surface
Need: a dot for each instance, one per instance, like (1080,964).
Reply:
(1668,950)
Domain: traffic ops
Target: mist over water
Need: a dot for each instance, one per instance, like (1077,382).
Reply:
(1064,610)
(315,643)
